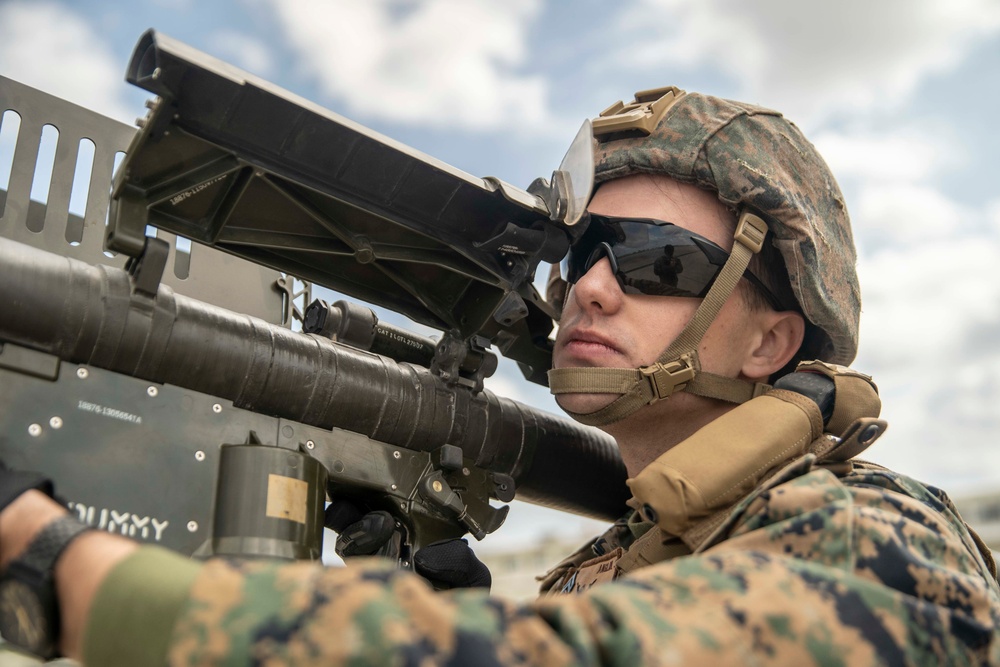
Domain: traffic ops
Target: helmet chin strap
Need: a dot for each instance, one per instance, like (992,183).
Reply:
(678,368)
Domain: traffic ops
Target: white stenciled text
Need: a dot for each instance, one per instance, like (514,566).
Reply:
(128,524)
(105,411)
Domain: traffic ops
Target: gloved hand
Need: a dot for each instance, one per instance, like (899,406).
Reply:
(452,564)
(445,564)
(15,482)
(359,533)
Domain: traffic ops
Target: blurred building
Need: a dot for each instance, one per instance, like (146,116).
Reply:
(515,570)
(982,512)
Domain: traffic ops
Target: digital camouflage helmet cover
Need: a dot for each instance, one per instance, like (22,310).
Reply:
(760,164)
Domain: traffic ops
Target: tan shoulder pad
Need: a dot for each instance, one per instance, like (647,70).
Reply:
(857,395)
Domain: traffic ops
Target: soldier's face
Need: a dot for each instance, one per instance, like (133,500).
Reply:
(602,326)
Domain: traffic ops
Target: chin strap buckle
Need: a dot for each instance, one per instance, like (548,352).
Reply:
(667,379)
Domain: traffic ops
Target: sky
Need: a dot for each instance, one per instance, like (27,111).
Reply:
(900,96)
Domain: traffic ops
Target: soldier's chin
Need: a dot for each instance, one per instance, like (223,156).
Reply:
(584,403)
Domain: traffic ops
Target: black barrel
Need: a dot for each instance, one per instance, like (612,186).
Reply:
(89,315)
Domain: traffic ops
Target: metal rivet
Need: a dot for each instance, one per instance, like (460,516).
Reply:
(396,455)
(465,472)
(199,455)
(192,526)
(402,506)
(436,485)
(310,444)
(152,391)
(55,422)
(82,373)
(156,73)
(216,408)
(35,430)
(393,487)
(406,563)
(869,434)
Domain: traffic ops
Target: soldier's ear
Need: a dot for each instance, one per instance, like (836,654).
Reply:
(779,337)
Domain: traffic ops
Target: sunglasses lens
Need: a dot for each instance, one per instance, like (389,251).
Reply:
(659,259)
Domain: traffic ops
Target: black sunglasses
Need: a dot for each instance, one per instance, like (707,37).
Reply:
(652,257)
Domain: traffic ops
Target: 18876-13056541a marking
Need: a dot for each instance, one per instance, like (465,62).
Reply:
(105,411)
(178,198)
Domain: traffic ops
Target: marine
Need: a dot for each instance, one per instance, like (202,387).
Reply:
(709,311)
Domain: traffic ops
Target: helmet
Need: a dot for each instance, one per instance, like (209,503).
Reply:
(759,163)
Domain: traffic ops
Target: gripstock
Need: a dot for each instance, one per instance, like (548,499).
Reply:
(236,163)
(210,430)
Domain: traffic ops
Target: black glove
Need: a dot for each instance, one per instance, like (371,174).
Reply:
(445,564)
(359,533)
(452,564)
(15,482)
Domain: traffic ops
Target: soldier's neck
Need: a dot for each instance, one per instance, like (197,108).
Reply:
(650,432)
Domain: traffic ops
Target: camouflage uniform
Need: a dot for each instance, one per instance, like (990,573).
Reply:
(822,562)
(867,568)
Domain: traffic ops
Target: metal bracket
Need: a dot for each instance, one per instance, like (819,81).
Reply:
(294,302)
(465,363)
(28,361)
(860,435)
(146,269)
(437,492)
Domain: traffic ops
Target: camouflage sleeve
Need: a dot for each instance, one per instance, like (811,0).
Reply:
(135,608)
(813,571)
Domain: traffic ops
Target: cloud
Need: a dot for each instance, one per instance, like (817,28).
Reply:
(909,153)
(931,302)
(440,63)
(943,427)
(906,214)
(244,51)
(929,333)
(921,301)
(811,60)
(993,216)
(891,175)
(49,46)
